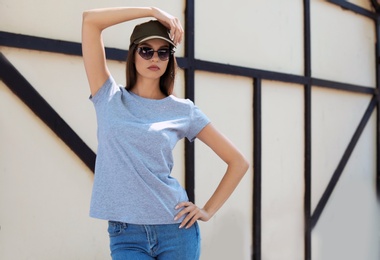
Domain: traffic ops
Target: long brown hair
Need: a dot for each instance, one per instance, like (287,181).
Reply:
(166,80)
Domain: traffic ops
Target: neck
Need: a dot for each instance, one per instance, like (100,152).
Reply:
(148,88)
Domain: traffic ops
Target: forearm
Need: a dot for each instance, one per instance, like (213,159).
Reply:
(235,172)
(227,185)
(106,17)
(237,167)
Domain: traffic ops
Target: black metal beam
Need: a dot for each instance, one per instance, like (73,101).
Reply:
(307,172)
(377,66)
(342,86)
(277,76)
(39,43)
(25,91)
(257,126)
(189,93)
(248,72)
(63,47)
(354,8)
(346,156)
(308,127)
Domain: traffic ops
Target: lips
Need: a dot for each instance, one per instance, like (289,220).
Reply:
(153,68)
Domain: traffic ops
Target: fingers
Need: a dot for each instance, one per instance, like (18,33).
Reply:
(172,23)
(193,214)
(176,31)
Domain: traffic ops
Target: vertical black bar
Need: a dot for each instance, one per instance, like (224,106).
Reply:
(189,49)
(378,106)
(307,39)
(189,93)
(307,199)
(307,93)
(256,233)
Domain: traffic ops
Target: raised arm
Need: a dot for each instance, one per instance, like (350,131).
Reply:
(95,21)
(237,167)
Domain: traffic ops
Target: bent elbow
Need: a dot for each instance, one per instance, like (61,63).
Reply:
(89,16)
(245,165)
(85,16)
(242,164)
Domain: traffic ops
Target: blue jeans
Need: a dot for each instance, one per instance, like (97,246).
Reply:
(165,242)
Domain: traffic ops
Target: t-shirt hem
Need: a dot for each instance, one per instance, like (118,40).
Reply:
(137,222)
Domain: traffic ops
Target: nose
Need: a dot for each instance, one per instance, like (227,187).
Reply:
(155,56)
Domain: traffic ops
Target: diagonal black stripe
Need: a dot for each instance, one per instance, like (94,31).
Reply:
(354,8)
(25,91)
(346,156)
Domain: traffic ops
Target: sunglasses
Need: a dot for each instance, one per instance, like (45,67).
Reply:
(147,53)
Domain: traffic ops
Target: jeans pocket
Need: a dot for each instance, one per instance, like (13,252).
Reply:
(116,228)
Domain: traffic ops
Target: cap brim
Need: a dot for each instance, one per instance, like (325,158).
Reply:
(154,37)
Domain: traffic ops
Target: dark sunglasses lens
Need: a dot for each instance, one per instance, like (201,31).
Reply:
(163,54)
(146,53)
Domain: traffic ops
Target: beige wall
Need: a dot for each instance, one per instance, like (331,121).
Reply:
(344,41)
(45,189)
(282,170)
(256,34)
(227,100)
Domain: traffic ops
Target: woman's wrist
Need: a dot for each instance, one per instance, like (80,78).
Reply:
(154,11)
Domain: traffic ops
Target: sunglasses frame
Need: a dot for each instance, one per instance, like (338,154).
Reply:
(150,51)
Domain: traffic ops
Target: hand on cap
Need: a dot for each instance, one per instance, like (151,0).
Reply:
(171,22)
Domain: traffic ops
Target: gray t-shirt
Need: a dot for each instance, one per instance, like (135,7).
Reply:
(134,160)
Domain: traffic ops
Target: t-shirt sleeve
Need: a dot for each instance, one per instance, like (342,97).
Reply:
(106,91)
(198,121)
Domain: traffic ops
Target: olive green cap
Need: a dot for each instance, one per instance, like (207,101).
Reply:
(150,30)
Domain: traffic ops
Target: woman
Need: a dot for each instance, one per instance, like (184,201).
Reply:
(149,214)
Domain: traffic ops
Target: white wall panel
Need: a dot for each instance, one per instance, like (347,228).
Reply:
(342,45)
(227,101)
(348,227)
(335,117)
(282,171)
(44,192)
(257,34)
